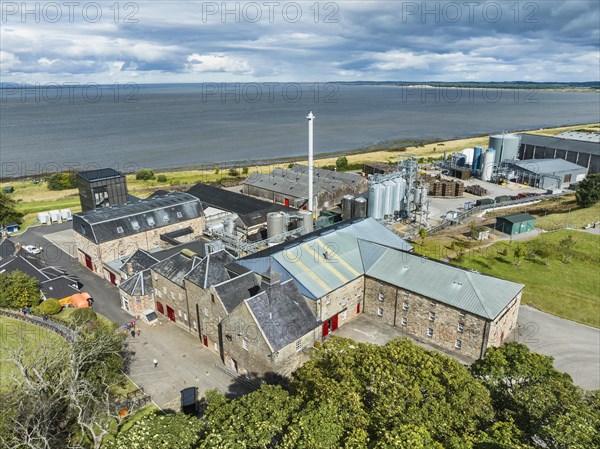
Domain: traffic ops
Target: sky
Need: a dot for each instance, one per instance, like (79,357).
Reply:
(285,41)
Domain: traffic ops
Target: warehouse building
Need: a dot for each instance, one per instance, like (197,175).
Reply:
(515,224)
(548,173)
(110,234)
(104,187)
(583,153)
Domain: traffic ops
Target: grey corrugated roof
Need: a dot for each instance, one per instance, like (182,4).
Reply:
(212,270)
(548,166)
(294,184)
(560,143)
(352,179)
(139,284)
(97,175)
(235,291)
(102,225)
(282,314)
(177,267)
(578,135)
(516,218)
(473,292)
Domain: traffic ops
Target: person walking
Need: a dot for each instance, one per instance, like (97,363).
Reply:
(133,332)
(155,363)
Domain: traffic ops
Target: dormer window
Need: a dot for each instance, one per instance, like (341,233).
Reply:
(119,230)
(150,221)
(135,225)
(179,215)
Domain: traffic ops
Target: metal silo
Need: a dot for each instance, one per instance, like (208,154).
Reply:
(477,152)
(376,192)
(487,166)
(388,195)
(360,208)
(347,203)
(469,154)
(274,224)
(307,220)
(424,195)
(506,146)
(401,187)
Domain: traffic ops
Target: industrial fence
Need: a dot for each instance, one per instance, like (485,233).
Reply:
(68,334)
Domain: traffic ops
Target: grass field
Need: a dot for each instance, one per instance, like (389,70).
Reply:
(569,290)
(12,334)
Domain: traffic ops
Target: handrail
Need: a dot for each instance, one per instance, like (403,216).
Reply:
(68,334)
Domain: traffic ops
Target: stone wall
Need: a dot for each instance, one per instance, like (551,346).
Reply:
(171,294)
(346,298)
(505,323)
(210,314)
(135,305)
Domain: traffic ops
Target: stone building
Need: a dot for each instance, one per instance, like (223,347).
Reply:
(112,234)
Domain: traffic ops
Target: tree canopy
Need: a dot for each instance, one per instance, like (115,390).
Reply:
(8,213)
(19,290)
(588,192)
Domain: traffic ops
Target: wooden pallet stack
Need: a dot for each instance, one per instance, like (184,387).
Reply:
(444,187)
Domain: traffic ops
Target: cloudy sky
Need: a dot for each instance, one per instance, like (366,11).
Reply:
(188,41)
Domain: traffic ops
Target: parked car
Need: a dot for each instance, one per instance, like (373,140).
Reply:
(32,249)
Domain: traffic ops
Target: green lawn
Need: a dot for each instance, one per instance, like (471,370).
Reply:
(12,334)
(569,290)
(575,217)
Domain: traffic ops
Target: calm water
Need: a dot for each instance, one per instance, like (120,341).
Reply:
(185,125)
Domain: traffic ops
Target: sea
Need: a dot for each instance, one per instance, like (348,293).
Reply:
(45,128)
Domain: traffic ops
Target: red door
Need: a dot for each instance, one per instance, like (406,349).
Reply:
(286,201)
(113,278)
(171,314)
(88,262)
(159,307)
(357,308)
(334,323)
(205,340)
(325,328)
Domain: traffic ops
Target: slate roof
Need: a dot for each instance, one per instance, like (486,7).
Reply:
(21,264)
(140,284)
(211,270)
(516,218)
(282,313)
(7,248)
(473,292)
(548,166)
(176,267)
(326,259)
(97,175)
(233,292)
(140,260)
(232,201)
(260,217)
(560,143)
(110,223)
(59,288)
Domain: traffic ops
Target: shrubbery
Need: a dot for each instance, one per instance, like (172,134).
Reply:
(144,174)
(19,290)
(62,181)
(161,178)
(588,192)
(50,306)
(81,316)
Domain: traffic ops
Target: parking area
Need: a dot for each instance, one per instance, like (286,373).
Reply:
(65,240)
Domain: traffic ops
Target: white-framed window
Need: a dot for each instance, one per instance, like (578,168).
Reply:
(404,321)
(180,296)
(172,295)
(458,344)
(299,345)
(150,220)
(381,297)
(180,313)
(119,229)
(431,316)
(135,225)
(179,215)
(216,346)
(432,303)
(430,332)
(157,291)
(463,313)
(195,325)
(343,315)
(328,300)
(405,306)
(206,311)
(461,327)
(380,311)
(185,316)
(245,344)
(406,294)
(165,290)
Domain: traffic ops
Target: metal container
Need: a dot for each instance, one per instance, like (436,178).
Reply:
(347,204)
(275,222)
(398,193)
(376,192)
(388,196)
(360,208)
(469,155)
(487,166)
(477,152)
(307,220)
(506,146)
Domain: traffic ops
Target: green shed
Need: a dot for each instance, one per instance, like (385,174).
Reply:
(8,189)
(515,223)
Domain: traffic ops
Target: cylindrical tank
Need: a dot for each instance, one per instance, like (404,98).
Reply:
(477,151)
(401,187)
(487,166)
(307,220)
(506,146)
(347,203)
(469,154)
(388,208)
(424,195)
(360,208)
(376,192)
(459,159)
(274,224)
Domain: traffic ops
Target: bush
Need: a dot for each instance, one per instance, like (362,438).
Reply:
(81,316)
(245,170)
(341,163)
(144,174)
(161,178)
(50,306)
(62,181)
(233,173)
(588,192)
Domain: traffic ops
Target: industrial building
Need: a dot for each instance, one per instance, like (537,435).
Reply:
(110,234)
(583,153)
(547,173)
(290,187)
(515,224)
(100,188)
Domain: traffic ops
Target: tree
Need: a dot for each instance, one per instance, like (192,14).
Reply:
(145,174)
(423,233)
(50,306)
(588,192)
(519,253)
(341,163)
(245,170)
(233,172)
(19,290)
(161,178)
(8,213)
(62,181)
(546,407)
(82,316)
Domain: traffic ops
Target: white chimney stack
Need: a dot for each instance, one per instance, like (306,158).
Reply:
(310,118)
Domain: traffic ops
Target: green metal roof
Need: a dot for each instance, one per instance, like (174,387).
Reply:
(473,292)
(517,218)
